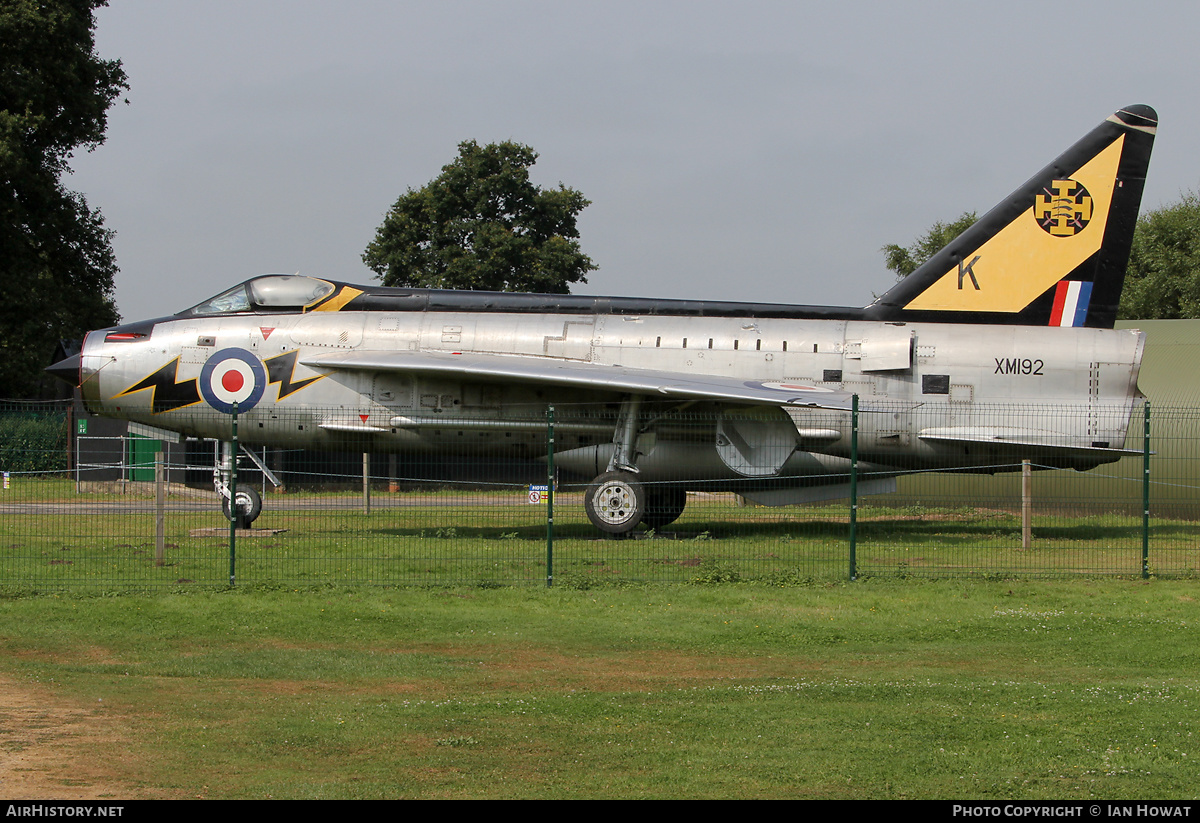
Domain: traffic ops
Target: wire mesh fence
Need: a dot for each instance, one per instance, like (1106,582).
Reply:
(764,495)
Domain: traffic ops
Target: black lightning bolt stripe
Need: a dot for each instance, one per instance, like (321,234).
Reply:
(167,395)
(280,369)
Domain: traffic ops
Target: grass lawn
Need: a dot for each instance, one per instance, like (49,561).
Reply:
(52,539)
(1018,689)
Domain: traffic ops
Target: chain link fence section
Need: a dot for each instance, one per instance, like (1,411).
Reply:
(764,498)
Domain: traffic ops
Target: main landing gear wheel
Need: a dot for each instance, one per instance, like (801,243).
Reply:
(249,507)
(615,502)
(663,506)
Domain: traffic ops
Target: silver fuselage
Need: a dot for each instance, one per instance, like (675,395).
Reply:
(1077,387)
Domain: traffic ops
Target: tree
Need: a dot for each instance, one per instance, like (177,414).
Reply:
(1163,278)
(904,261)
(481,224)
(56,260)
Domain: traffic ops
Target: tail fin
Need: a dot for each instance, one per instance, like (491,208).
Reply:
(1053,252)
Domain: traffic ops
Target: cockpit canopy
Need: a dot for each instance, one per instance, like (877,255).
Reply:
(270,293)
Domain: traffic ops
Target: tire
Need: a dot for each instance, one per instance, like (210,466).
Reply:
(615,502)
(663,506)
(249,505)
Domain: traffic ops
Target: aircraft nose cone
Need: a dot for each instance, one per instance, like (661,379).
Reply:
(66,369)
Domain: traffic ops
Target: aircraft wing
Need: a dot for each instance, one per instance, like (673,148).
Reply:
(547,371)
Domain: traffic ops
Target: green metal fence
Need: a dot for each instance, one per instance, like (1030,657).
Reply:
(473,503)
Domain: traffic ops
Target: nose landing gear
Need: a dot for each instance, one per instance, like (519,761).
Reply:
(249,502)
(249,507)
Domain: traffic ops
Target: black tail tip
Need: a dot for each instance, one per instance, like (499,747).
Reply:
(1138,114)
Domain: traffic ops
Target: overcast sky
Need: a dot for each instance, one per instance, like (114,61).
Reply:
(741,151)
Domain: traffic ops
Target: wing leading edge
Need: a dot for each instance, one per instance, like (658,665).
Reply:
(504,368)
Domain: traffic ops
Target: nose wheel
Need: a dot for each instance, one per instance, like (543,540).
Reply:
(249,507)
(615,502)
(248,503)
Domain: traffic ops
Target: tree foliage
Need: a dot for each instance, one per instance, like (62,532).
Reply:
(56,260)
(481,224)
(904,261)
(1163,278)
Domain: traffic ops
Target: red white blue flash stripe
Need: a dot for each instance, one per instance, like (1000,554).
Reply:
(1070,303)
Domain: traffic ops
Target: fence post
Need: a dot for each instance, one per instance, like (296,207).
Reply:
(854,487)
(366,483)
(549,496)
(1026,504)
(1146,492)
(233,512)
(160,505)
(70,435)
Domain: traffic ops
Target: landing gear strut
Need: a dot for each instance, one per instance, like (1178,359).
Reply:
(249,502)
(618,500)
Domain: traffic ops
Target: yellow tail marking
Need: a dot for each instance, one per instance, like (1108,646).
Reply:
(339,300)
(1017,264)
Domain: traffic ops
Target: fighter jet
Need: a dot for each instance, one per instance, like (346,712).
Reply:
(656,397)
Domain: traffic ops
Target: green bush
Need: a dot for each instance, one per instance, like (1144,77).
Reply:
(33,440)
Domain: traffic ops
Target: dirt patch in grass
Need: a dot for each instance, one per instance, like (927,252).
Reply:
(51,748)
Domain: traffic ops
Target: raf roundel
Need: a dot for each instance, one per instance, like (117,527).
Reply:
(232,376)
